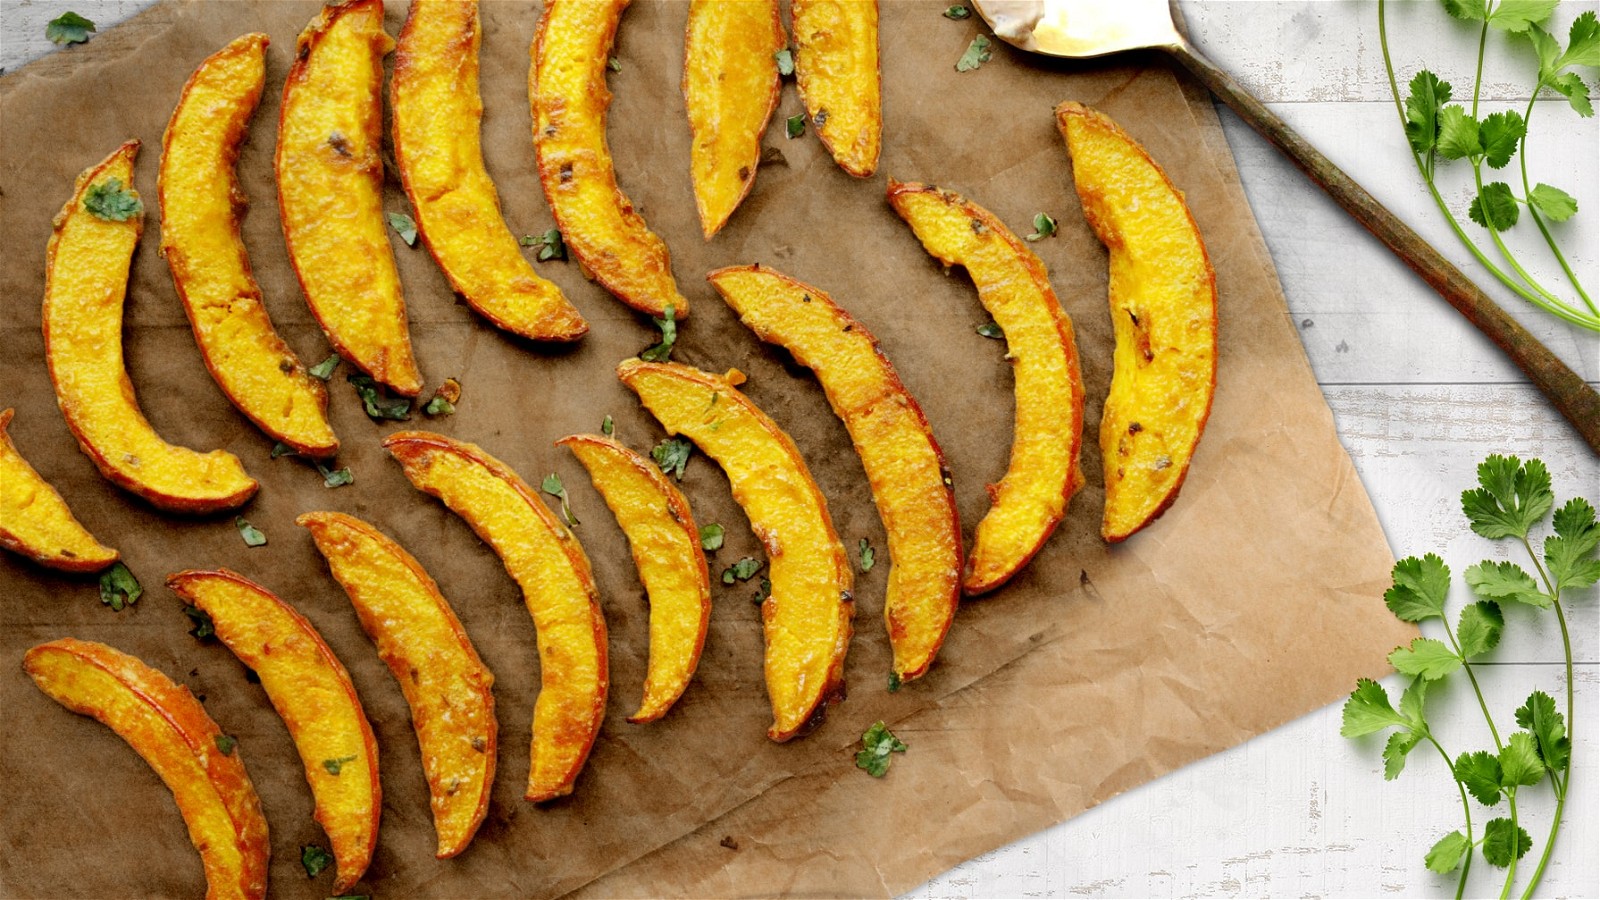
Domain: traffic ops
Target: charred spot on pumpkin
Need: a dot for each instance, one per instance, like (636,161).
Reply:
(744,173)
(821,118)
(565,173)
(1135,428)
(339,143)
(286,366)
(977,226)
(480,744)
(805,298)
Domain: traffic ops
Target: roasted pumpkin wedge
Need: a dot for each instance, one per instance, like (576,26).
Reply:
(35,521)
(903,463)
(730,87)
(836,68)
(568,94)
(201,203)
(86,279)
(312,693)
(422,642)
(171,731)
(806,617)
(438,112)
(1015,288)
(1163,312)
(666,549)
(546,562)
(329,163)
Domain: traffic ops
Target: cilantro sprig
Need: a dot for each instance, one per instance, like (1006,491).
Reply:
(877,743)
(1511,501)
(68,28)
(1438,129)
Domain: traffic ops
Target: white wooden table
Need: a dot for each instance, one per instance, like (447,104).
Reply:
(1420,398)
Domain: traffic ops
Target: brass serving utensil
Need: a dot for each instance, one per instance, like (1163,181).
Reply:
(1083,29)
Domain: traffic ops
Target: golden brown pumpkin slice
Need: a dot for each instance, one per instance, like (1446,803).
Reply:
(666,550)
(86,279)
(437,116)
(35,521)
(330,191)
(312,693)
(171,731)
(568,94)
(806,617)
(445,684)
(201,203)
(904,466)
(1015,288)
(1163,311)
(836,68)
(730,86)
(546,562)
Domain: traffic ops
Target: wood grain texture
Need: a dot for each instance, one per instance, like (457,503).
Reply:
(1419,398)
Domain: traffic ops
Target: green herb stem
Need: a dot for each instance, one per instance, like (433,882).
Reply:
(1538,220)
(1511,870)
(1466,811)
(1478,692)
(1562,783)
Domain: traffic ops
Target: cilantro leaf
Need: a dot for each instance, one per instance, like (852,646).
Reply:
(550,244)
(866,555)
(1458,133)
(225,744)
(377,406)
(1394,753)
(1510,499)
(118,587)
(1471,10)
(1572,87)
(662,352)
(895,683)
(1479,628)
(1426,658)
(315,859)
(1420,588)
(1583,42)
(957,12)
(795,126)
(204,629)
(991,329)
(878,742)
(1570,552)
(1411,703)
(552,485)
(763,591)
(1539,716)
(1496,207)
(253,536)
(614,64)
(1368,710)
(1447,853)
(335,766)
(977,54)
(672,455)
(68,28)
(1505,581)
(110,201)
(403,225)
(742,570)
(711,537)
(1043,227)
(1503,842)
(1552,202)
(1499,135)
(1519,761)
(324,370)
(1516,15)
(1548,49)
(607,427)
(1479,773)
(1428,94)
(785,61)
(333,478)
(282,449)
(439,406)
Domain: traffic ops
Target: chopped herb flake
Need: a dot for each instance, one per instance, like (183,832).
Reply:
(251,534)
(607,427)
(405,226)
(315,859)
(795,125)
(895,683)
(550,245)
(1043,227)
(977,54)
(552,485)
(957,12)
(109,200)
(225,744)
(118,587)
(866,555)
(324,370)
(68,28)
(334,766)
(662,352)
(878,743)
(336,477)
(377,405)
(614,64)
(282,449)
(711,537)
(785,58)
(203,629)
(991,329)
(672,455)
(763,591)
(742,570)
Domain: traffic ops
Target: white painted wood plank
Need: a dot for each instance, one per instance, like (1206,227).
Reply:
(1328,50)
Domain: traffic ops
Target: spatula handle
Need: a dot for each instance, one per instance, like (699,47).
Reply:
(1571,396)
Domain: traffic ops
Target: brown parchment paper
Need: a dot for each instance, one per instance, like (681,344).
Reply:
(1014,729)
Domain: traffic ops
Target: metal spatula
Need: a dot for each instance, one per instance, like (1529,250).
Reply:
(1081,29)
